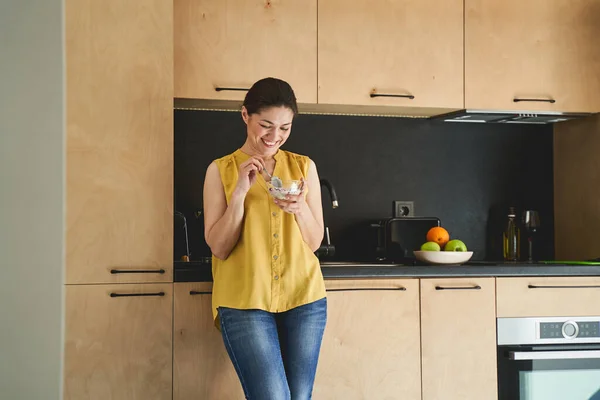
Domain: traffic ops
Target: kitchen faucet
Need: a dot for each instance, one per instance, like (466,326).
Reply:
(327,249)
(186,257)
(332,193)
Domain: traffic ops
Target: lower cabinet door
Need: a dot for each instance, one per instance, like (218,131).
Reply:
(458,325)
(371,346)
(118,342)
(201,366)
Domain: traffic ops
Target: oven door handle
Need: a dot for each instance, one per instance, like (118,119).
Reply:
(553,355)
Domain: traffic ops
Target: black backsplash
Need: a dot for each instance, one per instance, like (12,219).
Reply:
(465,174)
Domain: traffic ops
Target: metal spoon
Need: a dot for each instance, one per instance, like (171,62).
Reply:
(275,181)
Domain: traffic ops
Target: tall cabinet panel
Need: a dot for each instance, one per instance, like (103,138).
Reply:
(119,141)
(576,183)
(119,228)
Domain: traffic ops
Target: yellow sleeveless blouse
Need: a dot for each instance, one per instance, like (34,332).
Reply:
(270,268)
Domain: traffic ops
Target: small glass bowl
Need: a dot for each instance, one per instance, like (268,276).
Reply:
(282,188)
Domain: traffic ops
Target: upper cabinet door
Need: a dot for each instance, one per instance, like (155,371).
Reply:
(222,47)
(543,53)
(119,141)
(392,50)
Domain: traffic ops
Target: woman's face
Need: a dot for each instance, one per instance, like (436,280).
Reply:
(269,129)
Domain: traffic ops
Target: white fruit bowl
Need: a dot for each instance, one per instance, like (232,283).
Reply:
(443,257)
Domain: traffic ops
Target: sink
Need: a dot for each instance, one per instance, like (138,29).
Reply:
(357,264)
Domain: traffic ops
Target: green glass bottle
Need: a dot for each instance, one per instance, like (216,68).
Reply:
(512,238)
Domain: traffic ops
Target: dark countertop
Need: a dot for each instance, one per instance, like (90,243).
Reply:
(201,271)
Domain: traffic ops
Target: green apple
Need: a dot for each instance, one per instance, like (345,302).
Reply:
(430,246)
(455,245)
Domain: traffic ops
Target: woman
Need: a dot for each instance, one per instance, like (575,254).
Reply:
(268,291)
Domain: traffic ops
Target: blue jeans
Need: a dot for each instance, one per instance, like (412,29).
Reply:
(275,354)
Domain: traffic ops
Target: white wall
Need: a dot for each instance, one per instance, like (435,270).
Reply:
(32,182)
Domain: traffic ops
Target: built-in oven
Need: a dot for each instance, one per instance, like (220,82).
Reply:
(549,358)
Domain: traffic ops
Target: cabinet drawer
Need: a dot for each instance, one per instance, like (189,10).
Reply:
(545,297)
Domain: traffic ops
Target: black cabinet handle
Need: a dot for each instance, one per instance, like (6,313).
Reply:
(137,271)
(221,89)
(406,96)
(563,287)
(535,100)
(358,289)
(193,292)
(476,287)
(137,294)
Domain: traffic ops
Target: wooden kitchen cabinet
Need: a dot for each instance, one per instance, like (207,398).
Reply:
(458,338)
(548,296)
(119,80)
(118,342)
(370,348)
(398,48)
(230,44)
(576,182)
(201,366)
(544,50)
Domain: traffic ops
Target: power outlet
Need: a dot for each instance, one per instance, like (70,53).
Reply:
(404,208)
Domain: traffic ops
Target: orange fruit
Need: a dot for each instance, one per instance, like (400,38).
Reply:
(439,235)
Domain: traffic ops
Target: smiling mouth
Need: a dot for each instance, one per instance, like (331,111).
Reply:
(269,144)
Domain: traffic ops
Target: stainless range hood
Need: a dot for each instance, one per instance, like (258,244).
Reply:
(509,117)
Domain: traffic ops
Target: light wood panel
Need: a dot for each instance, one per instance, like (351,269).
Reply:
(560,296)
(543,49)
(391,47)
(118,348)
(370,348)
(233,43)
(202,369)
(458,339)
(119,139)
(576,189)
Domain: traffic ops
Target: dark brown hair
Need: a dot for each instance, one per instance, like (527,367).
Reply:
(270,92)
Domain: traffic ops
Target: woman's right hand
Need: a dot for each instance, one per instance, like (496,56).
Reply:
(247,173)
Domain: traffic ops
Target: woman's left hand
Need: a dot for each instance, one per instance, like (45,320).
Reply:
(293,204)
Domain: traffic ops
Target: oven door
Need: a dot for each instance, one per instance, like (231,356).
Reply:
(549,372)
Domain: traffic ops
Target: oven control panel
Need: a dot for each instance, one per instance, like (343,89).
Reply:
(569,329)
